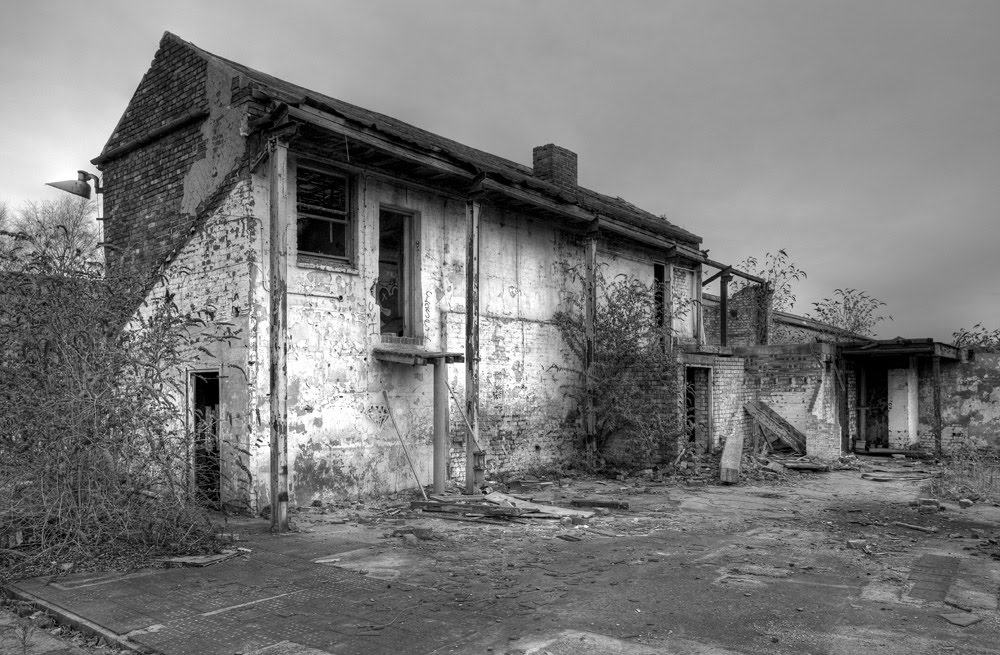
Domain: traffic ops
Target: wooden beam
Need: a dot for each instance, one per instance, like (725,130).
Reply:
(279,216)
(736,272)
(473,211)
(724,307)
(590,334)
(440,425)
(715,276)
(863,404)
(375,139)
(574,212)
(936,374)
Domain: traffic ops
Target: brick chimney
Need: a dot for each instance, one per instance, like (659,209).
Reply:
(554,164)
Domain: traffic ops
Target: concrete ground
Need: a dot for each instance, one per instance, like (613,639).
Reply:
(816,565)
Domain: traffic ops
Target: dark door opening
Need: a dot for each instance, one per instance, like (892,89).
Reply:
(697,404)
(207,471)
(875,406)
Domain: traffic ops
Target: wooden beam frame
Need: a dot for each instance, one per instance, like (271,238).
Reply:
(590,333)
(473,215)
(375,139)
(279,207)
(936,377)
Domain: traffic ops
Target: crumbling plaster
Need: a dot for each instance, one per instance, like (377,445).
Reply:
(970,402)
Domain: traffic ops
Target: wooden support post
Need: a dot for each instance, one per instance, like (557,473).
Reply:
(936,364)
(724,281)
(473,211)
(590,336)
(863,405)
(912,402)
(278,216)
(696,305)
(440,424)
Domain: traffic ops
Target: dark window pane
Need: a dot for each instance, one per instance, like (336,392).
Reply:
(391,288)
(322,237)
(321,193)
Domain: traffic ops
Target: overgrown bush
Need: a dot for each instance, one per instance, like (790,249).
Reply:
(94,462)
(970,472)
(634,383)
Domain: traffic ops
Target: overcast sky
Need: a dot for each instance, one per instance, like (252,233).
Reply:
(863,137)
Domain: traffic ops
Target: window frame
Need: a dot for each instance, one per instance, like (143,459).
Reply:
(411,288)
(347,217)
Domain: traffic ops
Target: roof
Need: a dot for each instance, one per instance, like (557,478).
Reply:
(903,347)
(478,163)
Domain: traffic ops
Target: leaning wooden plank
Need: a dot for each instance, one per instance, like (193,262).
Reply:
(919,528)
(505,499)
(806,466)
(773,423)
(463,508)
(732,455)
(599,502)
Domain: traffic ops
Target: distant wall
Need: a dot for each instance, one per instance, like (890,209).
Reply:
(970,402)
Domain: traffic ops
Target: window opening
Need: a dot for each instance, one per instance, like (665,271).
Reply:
(660,301)
(322,204)
(393,286)
(207,470)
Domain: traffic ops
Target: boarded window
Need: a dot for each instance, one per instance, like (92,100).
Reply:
(323,207)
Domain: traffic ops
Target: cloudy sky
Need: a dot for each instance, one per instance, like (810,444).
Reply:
(861,136)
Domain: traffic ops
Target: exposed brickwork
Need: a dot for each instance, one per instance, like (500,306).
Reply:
(144,188)
(801,386)
(555,164)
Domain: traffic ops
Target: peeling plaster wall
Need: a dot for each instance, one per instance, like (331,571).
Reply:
(340,440)
(970,402)
(210,278)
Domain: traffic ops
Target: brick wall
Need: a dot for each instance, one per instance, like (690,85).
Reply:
(747,319)
(157,189)
(800,384)
(554,164)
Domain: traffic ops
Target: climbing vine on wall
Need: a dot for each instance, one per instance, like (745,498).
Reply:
(634,381)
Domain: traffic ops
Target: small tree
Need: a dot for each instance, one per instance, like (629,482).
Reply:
(60,235)
(978,337)
(851,310)
(633,385)
(779,271)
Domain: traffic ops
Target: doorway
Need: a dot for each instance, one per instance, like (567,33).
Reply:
(205,428)
(698,408)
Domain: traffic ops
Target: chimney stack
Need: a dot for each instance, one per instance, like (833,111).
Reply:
(554,164)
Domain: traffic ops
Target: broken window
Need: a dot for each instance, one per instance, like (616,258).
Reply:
(398,275)
(323,208)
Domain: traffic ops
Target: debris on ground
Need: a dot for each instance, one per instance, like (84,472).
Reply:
(918,528)
(961,619)
(496,506)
